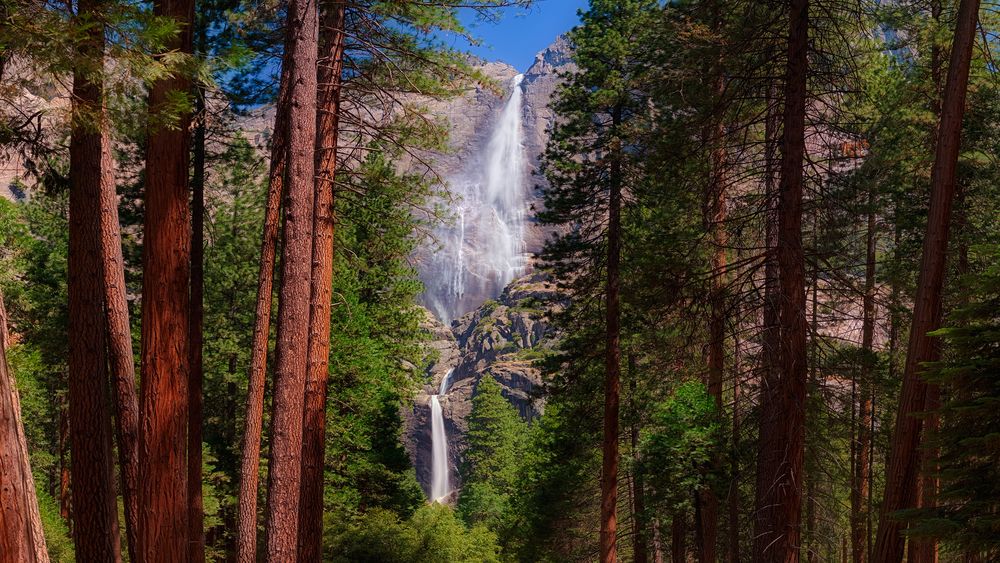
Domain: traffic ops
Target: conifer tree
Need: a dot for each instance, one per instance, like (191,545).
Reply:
(95,514)
(493,459)
(589,169)
(902,467)
(163,522)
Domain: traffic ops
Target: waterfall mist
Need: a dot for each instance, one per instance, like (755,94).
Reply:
(483,249)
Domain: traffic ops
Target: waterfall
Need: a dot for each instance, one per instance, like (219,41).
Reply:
(483,248)
(440,487)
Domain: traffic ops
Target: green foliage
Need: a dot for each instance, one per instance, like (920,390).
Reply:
(682,440)
(375,343)
(967,515)
(58,540)
(432,534)
(494,461)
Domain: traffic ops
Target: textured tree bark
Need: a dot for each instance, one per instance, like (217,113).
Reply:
(715,219)
(64,497)
(734,487)
(925,550)
(777,530)
(678,538)
(612,367)
(291,349)
(196,512)
(862,464)
(21,535)
(903,463)
(640,548)
(163,492)
(657,543)
(95,511)
(317,371)
(121,360)
(246,521)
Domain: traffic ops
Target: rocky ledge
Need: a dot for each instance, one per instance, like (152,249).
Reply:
(504,339)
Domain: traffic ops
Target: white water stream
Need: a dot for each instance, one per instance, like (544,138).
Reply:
(440,486)
(481,253)
(483,249)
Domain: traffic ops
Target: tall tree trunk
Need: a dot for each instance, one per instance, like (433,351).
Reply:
(95,510)
(21,536)
(862,463)
(120,355)
(678,538)
(777,533)
(769,380)
(657,542)
(903,464)
(65,511)
(163,488)
(291,349)
(196,400)
(640,550)
(734,486)
(715,218)
(612,365)
(246,521)
(317,371)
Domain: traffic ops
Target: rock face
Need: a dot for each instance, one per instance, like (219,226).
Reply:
(504,338)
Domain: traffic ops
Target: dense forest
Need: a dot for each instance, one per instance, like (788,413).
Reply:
(761,321)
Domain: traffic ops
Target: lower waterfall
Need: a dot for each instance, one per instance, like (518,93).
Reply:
(440,486)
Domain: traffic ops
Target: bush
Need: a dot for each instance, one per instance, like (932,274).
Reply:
(433,534)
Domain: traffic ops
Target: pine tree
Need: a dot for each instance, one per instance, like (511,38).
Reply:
(494,459)
(589,169)
(95,514)
(965,515)
(292,337)
(902,467)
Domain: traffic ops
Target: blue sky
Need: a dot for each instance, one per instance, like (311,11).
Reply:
(522,32)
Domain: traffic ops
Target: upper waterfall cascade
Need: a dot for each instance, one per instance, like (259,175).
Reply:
(483,248)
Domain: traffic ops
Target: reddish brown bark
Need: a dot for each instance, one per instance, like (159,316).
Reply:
(317,372)
(862,462)
(21,536)
(246,521)
(163,493)
(612,368)
(715,218)
(903,464)
(640,549)
(95,511)
(678,539)
(734,487)
(291,349)
(770,338)
(925,550)
(120,356)
(779,507)
(64,494)
(196,512)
